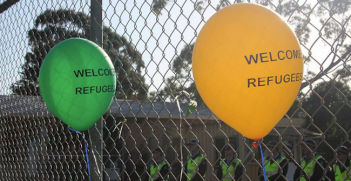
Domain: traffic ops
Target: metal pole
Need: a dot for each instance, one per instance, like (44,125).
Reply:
(96,132)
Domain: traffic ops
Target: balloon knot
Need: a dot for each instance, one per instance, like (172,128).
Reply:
(255,144)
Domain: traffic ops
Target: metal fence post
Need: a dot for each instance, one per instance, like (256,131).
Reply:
(96,132)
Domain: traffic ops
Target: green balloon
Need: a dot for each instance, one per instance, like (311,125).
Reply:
(77,82)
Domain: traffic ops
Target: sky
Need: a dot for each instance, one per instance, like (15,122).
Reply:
(159,38)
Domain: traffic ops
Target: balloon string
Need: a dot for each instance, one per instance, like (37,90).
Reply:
(264,170)
(86,150)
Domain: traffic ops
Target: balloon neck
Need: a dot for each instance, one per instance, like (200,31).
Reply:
(255,144)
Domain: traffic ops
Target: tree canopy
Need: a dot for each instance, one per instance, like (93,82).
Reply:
(326,105)
(182,79)
(54,26)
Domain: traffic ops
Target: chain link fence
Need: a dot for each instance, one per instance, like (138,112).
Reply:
(150,43)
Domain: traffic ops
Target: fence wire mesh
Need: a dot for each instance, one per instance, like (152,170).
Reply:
(151,43)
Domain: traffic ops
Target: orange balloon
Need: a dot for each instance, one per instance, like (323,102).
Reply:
(248,68)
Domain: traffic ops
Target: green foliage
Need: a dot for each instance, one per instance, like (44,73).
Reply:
(182,80)
(158,5)
(52,27)
(328,104)
(344,74)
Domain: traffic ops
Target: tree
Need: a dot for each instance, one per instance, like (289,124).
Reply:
(332,14)
(182,79)
(52,27)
